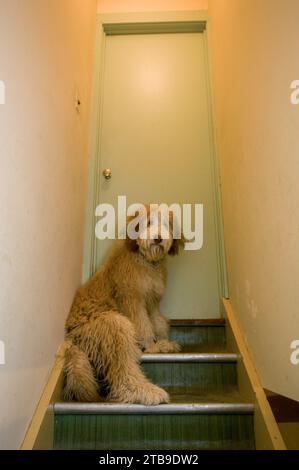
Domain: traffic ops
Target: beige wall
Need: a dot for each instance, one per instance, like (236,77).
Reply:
(105,6)
(255,58)
(46,52)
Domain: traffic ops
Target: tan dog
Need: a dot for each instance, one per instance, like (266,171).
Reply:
(114,316)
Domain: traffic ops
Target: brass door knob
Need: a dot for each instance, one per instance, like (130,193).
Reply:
(107,173)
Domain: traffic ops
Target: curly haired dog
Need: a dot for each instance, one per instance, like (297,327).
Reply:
(116,315)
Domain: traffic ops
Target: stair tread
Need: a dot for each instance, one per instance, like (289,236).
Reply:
(197,395)
(195,401)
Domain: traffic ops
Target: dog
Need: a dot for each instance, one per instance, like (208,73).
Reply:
(115,316)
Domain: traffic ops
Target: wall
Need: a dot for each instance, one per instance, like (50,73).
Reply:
(254,60)
(46,52)
(105,6)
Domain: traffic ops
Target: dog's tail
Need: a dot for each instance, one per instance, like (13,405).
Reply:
(80,382)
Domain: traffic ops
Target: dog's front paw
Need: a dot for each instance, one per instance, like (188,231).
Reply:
(144,393)
(163,346)
(166,346)
(153,395)
(147,344)
(152,349)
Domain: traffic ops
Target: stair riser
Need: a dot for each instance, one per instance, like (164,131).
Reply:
(202,376)
(154,432)
(199,335)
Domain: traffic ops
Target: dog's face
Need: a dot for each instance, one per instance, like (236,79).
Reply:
(155,234)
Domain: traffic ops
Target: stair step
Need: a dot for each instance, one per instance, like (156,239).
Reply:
(192,421)
(193,401)
(206,371)
(199,332)
(154,432)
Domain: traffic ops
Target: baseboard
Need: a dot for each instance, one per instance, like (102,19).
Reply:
(267,433)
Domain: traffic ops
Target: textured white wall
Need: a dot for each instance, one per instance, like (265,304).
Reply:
(46,53)
(255,59)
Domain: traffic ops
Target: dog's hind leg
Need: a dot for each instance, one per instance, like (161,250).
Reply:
(113,349)
(80,382)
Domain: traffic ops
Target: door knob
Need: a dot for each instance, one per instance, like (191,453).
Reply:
(107,173)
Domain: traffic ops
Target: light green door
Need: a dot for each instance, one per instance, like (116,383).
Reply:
(155,136)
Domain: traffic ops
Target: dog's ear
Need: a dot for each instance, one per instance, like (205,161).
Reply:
(178,243)
(132,245)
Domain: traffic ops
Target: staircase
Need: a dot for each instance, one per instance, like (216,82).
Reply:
(206,410)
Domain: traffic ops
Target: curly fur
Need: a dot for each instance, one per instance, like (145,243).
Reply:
(113,317)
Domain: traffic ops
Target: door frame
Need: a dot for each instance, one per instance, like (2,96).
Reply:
(145,23)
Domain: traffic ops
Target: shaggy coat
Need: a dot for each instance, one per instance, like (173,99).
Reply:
(113,317)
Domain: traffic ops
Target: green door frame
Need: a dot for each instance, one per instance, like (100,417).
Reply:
(145,23)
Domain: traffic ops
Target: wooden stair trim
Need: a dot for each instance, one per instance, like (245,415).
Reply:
(264,417)
(40,431)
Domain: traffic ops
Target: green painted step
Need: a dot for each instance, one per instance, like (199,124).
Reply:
(205,411)
(190,421)
(206,371)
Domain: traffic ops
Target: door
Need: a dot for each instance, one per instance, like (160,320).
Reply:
(155,137)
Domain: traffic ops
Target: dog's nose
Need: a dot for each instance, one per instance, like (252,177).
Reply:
(158,240)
